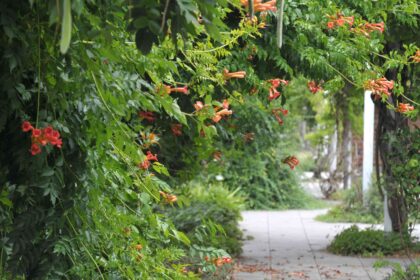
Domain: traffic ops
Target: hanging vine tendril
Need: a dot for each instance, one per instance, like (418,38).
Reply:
(251,9)
(39,69)
(280,24)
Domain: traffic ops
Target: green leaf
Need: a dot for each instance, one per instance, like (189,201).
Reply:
(47,173)
(4,199)
(65,27)
(181,237)
(189,11)
(283,99)
(160,168)
(178,113)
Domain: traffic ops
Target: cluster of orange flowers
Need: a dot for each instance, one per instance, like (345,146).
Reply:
(221,112)
(169,198)
(138,247)
(404,108)
(198,106)
(42,137)
(379,87)
(339,20)
(259,6)
(368,28)
(416,57)
(148,139)
(149,116)
(261,24)
(273,93)
(314,87)
(277,115)
(176,129)
(292,161)
(219,261)
(147,161)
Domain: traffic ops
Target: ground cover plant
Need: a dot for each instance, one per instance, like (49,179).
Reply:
(108,108)
(409,272)
(214,209)
(371,242)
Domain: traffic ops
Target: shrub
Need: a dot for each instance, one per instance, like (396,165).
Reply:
(353,241)
(211,218)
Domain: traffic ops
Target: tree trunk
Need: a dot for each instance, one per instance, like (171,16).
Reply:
(346,147)
(333,152)
(302,131)
(389,122)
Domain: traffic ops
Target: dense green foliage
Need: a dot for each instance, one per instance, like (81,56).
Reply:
(353,241)
(251,146)
(407,170)
(80,211)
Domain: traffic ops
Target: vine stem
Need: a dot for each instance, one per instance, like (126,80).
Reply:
(219,47)
(280,24)
(165,11)
(57,27)
(251,9)
(342,75)
(39,69)
(87,250)
(98,89)
(380,55)
(409,99)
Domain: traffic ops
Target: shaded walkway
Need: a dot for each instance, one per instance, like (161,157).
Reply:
(291,245)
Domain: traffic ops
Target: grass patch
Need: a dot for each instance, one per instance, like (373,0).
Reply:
(340,214)
(299,199)
(311,202)
(352,210)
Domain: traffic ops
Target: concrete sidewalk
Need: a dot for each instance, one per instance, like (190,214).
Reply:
(292,245)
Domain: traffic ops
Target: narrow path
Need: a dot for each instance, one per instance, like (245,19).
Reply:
(291,245)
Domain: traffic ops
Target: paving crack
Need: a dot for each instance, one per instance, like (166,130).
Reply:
(364,268)
(310,246)
(270,256)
